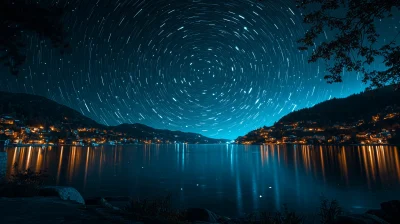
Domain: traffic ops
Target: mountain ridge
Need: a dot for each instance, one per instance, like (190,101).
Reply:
(369,117)
(356,106)
(39,110)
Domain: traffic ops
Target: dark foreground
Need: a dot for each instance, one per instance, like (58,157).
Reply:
(235,176)
(46,210)
(65,205)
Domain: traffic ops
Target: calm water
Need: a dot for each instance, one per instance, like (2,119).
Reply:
(227,179)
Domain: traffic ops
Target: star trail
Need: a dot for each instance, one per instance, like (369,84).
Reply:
(218,68)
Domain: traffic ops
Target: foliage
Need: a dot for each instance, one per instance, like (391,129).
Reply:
(154,210)
(329,210)
(160,210)
(19,18)
(354,40)
(284,217)
(23,183)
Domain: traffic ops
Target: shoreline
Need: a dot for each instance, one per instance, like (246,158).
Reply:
(50,145)
(60,202)
(381,144)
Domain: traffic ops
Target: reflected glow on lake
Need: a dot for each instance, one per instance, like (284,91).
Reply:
(227,179)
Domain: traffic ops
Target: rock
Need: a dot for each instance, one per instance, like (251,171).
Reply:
(43,210)
(223,219)
(105,204)
(391,211)
(114,217)
(120,198)
(391,207)
(376,218)
(97,200)
(65,193)
(92,201)
(200,222)
(359,219)
(379,213)
(200,215)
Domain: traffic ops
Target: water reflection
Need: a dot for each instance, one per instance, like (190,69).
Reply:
(241,178)
(369,162)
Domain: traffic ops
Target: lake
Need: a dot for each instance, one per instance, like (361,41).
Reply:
(227,179)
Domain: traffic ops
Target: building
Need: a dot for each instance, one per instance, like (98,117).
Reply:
(6,120)
(319,137)
(9,132)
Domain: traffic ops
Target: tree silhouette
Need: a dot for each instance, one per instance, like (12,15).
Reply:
(19,18)
(355,43)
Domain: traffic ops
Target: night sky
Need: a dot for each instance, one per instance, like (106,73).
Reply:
(219,68)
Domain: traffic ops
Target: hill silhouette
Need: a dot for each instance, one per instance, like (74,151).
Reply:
(38,110)
(371,115)
(356,107)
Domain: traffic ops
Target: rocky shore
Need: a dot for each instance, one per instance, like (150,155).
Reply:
(66,205)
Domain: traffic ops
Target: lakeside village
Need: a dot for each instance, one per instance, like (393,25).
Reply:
(14,132)
(380,130)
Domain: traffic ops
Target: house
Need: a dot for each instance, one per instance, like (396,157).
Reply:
(36,141)
(335,138)
(17,141)
(6,120)
(271,139)
(290,138)
(288,127)
(376,138)
(362,135)
(386,134)
(346,137)
(319,137)
(390,116)
(9,132)
(78,142)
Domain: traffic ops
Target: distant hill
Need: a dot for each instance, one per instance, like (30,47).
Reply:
(38,110)
(356,107)
(365,117)
(34,110)
(143,131)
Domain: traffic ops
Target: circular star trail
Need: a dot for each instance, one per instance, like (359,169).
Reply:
(216,68)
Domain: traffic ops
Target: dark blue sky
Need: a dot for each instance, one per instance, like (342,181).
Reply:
(219,68)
